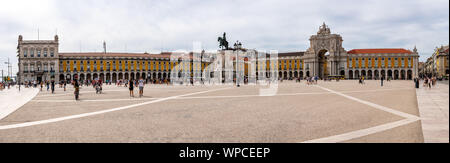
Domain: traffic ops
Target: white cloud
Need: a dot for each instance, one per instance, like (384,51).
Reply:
(284,25)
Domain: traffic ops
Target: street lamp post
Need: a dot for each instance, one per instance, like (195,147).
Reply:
(237,70)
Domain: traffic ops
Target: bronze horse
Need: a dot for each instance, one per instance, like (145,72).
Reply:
(223,43)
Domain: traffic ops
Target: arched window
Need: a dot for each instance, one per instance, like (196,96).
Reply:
(25,52)
(32,52)
(45,52)
(376,62)
(38,52)
(25,68)
(52,52)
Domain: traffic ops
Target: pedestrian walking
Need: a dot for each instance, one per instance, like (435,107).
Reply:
(76,86)
(53,86)
(131,88)
(141,87)
(429,83)
(48,85)
(416,81)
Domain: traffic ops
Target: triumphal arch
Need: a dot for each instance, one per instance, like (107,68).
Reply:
(325,56)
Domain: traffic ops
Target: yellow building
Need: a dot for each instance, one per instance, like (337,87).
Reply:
(397,64)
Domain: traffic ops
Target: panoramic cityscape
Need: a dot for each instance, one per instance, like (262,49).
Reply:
(112,74)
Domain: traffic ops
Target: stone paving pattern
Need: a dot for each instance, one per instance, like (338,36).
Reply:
(298,113)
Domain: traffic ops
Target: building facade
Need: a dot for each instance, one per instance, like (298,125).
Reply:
(438,64)
(40,60)
(326,57)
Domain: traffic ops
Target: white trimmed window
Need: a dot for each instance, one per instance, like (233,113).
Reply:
(25,52)
(45,52)
(389,62)
(350,63)
(376,62)
(396,62)
(32,52)
(52,53)
(403,62)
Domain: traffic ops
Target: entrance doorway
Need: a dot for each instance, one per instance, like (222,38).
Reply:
(322,60)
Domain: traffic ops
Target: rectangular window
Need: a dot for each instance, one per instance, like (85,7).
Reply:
(376,62)
(409,62)
(52,53)
(403,62)
(363,63)
(45,53)
(39,53)
(351,63)
(68,67)
(32,53)
(396,62)
(25,53)
(389,62)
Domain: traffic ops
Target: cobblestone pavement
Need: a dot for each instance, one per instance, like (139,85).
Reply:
(327,112)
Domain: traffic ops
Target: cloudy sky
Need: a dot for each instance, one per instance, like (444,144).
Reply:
(169,25)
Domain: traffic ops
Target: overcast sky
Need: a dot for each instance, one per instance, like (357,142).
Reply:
(169,25)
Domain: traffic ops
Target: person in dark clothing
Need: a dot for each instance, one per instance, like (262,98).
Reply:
(131,87)
(53,86)
(416,82)
(77,89)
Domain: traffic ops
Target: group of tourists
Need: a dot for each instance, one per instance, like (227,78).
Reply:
(50,85)
(4,85)
(429,82)
(312,80)
(362,80)
(139,83)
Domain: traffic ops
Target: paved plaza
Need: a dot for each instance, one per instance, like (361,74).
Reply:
(434,109)
(342,111)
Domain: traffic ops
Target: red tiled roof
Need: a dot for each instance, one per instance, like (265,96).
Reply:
(291,54)
(379,51)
